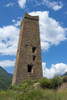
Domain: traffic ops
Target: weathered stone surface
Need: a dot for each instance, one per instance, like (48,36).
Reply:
(63,87)
(28,60)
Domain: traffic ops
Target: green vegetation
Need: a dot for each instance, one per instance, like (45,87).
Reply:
(45,83)
(34,95)
(56,82)
(51,83)
(65,74)
(5,79)
(43,89)
(64,79)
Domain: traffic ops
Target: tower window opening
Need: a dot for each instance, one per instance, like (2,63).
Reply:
(34,58)
(33,49)
(30,68)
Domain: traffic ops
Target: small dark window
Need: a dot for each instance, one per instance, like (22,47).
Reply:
(33,49)
(29,68)
(34,58)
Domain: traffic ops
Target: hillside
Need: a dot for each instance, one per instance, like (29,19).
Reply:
(5,79)
(65,74)
(34,90)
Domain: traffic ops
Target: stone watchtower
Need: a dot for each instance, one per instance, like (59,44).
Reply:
(28,60)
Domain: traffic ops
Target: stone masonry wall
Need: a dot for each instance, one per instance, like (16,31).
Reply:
(28,60)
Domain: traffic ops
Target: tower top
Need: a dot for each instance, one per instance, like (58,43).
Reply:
(27,16)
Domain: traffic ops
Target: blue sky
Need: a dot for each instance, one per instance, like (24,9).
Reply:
(53,33)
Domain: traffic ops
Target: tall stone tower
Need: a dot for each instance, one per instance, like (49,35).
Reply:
(28,60)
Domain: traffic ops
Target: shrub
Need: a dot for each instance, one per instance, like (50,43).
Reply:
(45,83)
(30,95)
(64,79)
(25,85)
(56,82)
(29,81)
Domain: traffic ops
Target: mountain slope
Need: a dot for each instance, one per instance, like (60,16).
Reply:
(65,74)
(5,79)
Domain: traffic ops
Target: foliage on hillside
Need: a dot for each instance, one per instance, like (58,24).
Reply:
(5,79)
(64,79)
(65,74)
(35,90)
(51,83)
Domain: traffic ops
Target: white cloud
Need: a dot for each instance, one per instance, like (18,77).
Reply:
(22,3)
(45,46)
(8,40)
(10,4)
(20,18)
(53,5)
(9,36)
(13,20)
(18,22)
(51,32)
(7,63)
(56,69)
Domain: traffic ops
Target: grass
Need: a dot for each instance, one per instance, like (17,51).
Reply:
(27,91)
(39,94)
